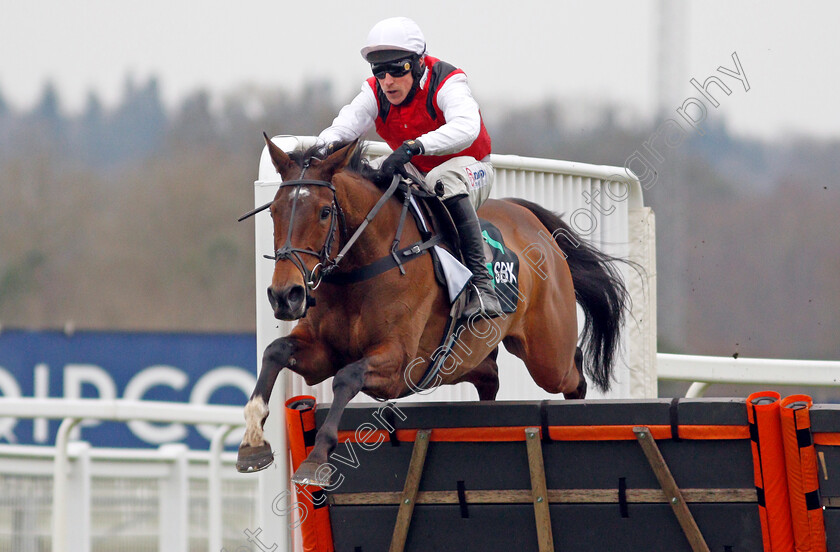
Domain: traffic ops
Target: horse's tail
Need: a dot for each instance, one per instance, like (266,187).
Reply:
(599,291)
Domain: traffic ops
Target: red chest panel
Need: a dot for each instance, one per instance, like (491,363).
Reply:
(398,123)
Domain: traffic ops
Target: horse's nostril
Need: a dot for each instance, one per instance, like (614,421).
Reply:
(287,302)
(272,298)
(296,295)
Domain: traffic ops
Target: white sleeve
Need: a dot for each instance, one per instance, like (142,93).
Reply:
(463,120)
(353,120)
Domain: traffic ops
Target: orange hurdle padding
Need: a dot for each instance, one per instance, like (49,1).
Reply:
(315,523)
(557,433)
(829,439)
(769,470)
(803,481)
(659,432)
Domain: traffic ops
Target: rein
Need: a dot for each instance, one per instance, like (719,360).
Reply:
(369,217)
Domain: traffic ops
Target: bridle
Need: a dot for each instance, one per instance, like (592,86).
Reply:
(287,251)
(326,264)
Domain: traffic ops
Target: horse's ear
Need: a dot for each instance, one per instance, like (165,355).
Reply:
(279,158)
(346,153)
(338,159)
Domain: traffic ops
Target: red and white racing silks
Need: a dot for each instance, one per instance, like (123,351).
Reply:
(455,129)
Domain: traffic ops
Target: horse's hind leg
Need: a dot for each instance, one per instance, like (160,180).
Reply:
(551,355)
(346,384)
(485,377)
(377,372)
(580,391)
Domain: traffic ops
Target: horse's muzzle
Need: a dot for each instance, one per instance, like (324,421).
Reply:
(288,303)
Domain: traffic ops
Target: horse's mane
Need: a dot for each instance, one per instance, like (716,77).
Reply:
(357,164)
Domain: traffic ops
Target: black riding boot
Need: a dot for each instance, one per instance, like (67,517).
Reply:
(482,296)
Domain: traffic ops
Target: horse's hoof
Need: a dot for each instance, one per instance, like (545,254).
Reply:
(253,459)
(308,474)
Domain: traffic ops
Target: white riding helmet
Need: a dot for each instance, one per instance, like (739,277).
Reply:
(395,33)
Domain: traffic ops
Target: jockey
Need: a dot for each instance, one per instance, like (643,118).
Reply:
(423,108)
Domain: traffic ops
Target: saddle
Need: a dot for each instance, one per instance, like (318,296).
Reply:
(433,219)
(502,263)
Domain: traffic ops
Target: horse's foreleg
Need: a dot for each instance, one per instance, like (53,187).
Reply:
(346,384)
(255,452)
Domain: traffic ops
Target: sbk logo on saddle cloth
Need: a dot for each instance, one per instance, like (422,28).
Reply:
(503,266)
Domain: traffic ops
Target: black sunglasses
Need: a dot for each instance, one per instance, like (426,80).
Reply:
(394,68)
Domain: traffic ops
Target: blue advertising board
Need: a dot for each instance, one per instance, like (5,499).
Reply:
(177,367)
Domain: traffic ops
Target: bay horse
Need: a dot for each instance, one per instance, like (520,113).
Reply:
(377,335)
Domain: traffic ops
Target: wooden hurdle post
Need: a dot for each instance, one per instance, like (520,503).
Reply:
(539,491)
(409,494)
(672,492)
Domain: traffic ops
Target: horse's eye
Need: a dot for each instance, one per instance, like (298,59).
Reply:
(325,212)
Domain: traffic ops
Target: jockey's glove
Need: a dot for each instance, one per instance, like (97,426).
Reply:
(396,161)
(327,149)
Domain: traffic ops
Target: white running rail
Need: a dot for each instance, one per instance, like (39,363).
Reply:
(173,534)
(704,371)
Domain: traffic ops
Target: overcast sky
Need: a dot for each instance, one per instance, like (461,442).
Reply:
(520,52)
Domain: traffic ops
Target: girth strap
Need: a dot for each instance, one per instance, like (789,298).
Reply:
(382,265)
